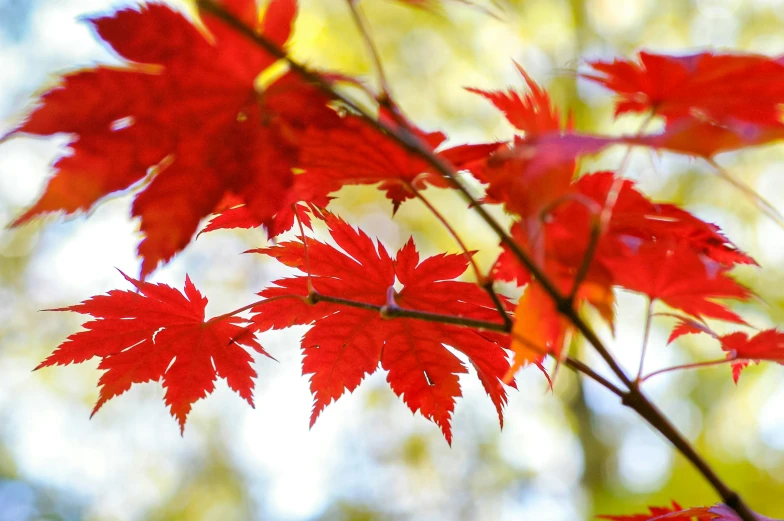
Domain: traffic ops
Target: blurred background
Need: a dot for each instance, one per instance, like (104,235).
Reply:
(562,455)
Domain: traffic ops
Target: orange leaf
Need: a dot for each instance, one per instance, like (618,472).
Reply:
(539,329)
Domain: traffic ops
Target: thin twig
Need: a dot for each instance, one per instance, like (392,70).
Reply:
(359,21)
(398,312)
(695,365)
(580,367)
(590,253)
(646,333)
(249,306)
(760,202)
(484,282)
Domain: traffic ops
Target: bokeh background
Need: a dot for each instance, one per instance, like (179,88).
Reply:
(562,455)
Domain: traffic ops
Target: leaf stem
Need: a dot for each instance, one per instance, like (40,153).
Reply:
(304,247)
(483,282)
(646,333)
(249,306)
(695,365)
(760,202)
(398,312)
(385,99)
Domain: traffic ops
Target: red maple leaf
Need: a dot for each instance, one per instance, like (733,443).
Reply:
(346,344)
(536,169)
(673,513)
(748,87)
(765,345)
(718,512)
(711,102)
(532,113)
(356,152)
(157,334)
(637,251)
(183,114)
(681,279)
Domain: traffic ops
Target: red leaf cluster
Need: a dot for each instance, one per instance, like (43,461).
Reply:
(188,123)
(627,240)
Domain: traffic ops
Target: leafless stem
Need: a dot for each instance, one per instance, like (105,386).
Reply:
(237,311)
(695,365)
(361,23)
(304,247)
(590,253)
(483,282)
(645,335)
(760,202)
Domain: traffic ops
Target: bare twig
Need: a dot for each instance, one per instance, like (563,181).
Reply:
(483,282)
(361,23)
(695,365)
(645,335)
(760,202)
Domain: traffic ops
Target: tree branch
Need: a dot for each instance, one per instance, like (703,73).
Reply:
(632,398)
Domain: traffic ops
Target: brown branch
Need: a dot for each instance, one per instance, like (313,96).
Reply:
(632,398)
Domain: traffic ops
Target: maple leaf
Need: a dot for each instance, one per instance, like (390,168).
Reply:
(356,152)
(532,113)
(241,217)
(157,334)
(711,102)
(183,114)
(536,169)
(765,345)
(681,279)
(346,344)
(748,87)
(718,512)
(673,513)
(632,251)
